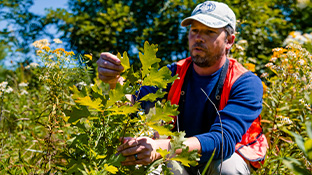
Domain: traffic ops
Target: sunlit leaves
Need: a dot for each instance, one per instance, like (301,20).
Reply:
(148,58)
(124,60)
(153,96)
(93,104)
(159,78)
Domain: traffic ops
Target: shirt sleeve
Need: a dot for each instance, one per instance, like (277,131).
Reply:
(243,107)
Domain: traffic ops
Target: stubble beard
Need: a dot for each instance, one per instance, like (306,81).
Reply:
(208,59)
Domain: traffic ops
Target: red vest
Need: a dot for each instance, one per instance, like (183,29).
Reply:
(253,145)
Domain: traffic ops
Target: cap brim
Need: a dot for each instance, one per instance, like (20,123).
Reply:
(207,20)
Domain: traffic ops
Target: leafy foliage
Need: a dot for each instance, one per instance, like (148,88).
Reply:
(100,131)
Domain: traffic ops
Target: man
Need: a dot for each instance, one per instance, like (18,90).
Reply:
(235,129)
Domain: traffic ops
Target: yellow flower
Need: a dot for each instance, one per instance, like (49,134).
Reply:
(293,34)
(278,51)
(250,67)
(59,50)
(69,53)
(46,48)
(89,56)
(38,52)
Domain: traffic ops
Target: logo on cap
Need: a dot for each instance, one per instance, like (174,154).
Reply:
(204,8)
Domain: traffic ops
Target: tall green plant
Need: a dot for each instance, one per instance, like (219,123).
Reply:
(103,120)
(286,105)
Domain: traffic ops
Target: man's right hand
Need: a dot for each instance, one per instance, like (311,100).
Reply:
(109,68)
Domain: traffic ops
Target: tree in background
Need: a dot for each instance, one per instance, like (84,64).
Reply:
(19,29)
(98,26)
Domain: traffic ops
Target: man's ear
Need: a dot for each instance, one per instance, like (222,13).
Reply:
(230,41)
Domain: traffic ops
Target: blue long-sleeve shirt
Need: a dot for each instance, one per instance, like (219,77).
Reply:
(199,115)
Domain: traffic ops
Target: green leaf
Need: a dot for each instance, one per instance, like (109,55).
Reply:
(295,166)
(209,161)
(115,95)
(309,128)
(77,113)
(149,57)
(308,148)
(165,112)
(94,104)
(116,160)
(125,109)
(159,78)
(124,61)
(161,129)
(185,157)
(153,96)
(163,152)
(131,76)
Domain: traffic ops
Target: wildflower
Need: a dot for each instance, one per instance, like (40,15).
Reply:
(89,56)
(273,59)
(264,87)
(34,65)
(307,106)
(285,119)
(24,92)
(46,48)
(269,65)
(301,62)
(3,85)
(264,75)
(23,84)
(58,50)
(50,65)
(69,53)
(38,52)
(8,90)
(278,51)
(308,36)
(58,41)
(41,43)
(250,67)
(82,84)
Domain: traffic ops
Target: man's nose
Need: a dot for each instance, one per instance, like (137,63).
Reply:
(199,37)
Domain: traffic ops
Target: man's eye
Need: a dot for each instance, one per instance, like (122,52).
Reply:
(194,30)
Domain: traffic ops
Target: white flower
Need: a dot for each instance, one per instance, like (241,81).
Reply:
(8,90)
(50,65)
(265,75)
(301,62)
(24,92)
(3,85)
(34,65)
(82,84)
(269,65)
(57,41)
(273,59)
(23,84)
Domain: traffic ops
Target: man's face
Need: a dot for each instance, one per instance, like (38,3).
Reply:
(207,45)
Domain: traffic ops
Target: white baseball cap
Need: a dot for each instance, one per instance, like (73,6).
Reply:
(212,14)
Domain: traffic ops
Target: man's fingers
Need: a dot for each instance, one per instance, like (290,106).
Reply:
(110,57)
(129,144)
(129,151)
(109,65)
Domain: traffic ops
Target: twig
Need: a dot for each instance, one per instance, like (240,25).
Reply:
(222,142)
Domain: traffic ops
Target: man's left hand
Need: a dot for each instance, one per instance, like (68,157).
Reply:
(140,150)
